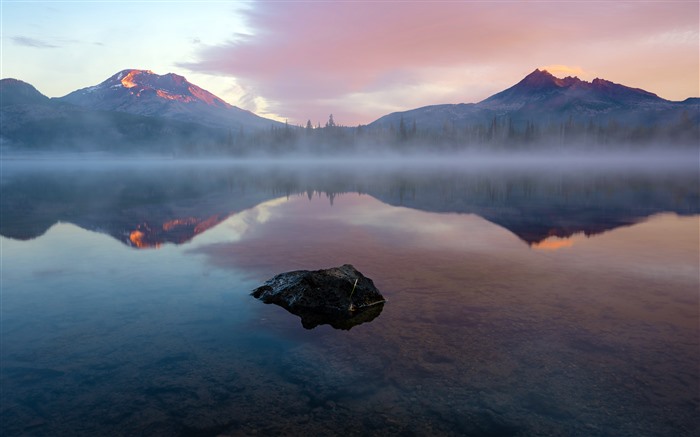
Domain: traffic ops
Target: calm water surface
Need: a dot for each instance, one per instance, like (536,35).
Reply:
(518,303)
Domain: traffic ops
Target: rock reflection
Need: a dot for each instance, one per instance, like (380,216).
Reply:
(311,319)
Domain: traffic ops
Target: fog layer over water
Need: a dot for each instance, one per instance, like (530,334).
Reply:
(648,158)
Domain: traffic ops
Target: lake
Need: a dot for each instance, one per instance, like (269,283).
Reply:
(548,299)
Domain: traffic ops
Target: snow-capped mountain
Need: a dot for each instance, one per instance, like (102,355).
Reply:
(32,122)
(143,92)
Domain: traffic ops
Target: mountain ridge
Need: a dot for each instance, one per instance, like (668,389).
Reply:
(32,122)
(166,113)
(544,84)
(541,101)
(143,92)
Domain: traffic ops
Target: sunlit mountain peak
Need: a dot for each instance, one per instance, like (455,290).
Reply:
(170,95)
(128,80)
(147,84)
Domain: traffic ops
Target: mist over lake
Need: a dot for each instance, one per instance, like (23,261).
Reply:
(544,296)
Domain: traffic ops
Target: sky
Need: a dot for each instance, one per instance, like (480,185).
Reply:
(357,60)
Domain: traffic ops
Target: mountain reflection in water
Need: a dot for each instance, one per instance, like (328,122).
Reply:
(148,207)
(504,317)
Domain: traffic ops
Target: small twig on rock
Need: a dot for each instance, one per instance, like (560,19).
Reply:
(352,307)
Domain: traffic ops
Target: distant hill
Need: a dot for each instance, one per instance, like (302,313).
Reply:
(31,122)
(134,111)
(16,92)
(543,102)
(142,92)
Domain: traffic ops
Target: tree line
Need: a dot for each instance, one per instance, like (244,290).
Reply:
(500,133)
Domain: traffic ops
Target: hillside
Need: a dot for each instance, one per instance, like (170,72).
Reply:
(542,105)
(142,92)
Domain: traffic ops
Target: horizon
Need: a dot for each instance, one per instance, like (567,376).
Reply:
(288,61)
(538,69)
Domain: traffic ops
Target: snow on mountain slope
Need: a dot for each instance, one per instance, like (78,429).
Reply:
(143,92)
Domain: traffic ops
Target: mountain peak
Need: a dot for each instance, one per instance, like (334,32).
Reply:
(543,79)
(143,92)
(127,77)
(538,75)
(145,85)
(541,85)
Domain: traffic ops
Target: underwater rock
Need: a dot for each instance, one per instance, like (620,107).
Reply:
(340,296)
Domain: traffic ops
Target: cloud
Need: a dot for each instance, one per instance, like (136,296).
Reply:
(565,70)
(303,55)
(675,37)
(31,42)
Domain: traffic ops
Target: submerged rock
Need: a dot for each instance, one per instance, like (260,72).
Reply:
(340,296)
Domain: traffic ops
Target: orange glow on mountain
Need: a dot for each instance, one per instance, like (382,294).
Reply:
(136,238)
(165,95)
(205,96)
(553,243)
(175,231)
(179,222)
(564,70)
(200,225)
(128,80)
(177,97)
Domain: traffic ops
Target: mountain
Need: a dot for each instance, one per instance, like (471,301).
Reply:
(132,111)
(20,102)
(31,122)
(16,92)
(142,92)
(542,91)
(140,111)
(543,100)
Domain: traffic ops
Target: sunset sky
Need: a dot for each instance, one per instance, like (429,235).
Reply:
(356,59)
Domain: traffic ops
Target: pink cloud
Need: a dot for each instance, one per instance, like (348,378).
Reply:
(303,56)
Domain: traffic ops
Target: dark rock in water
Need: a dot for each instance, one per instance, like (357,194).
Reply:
(340,296)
